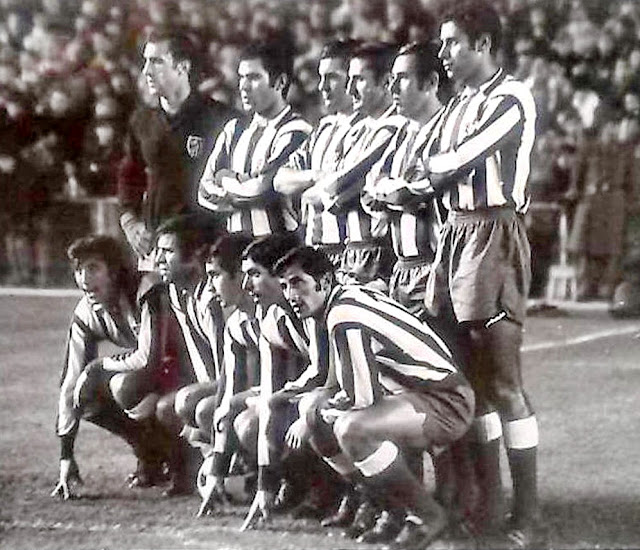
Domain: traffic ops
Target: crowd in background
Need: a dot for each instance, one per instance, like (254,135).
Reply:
(69,77)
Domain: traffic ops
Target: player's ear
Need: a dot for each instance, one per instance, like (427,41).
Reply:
(325,282)
(184,66)
(483,43)
(281,82)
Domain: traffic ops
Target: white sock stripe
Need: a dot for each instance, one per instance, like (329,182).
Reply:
(378,461)
(487,427)
(521,434)
(341,463)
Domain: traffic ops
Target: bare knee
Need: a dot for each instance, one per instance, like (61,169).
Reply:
(165,411)
(124,390)
(351,433)
(204,413)
(185,404)
(510,400)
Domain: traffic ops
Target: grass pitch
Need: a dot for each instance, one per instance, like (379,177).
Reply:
(581,371)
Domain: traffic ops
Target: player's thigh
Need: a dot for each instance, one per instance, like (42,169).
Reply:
(188,397)
(204,412)
(129,388)
(392,418)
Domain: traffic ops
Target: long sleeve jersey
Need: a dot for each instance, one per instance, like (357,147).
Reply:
(254,149)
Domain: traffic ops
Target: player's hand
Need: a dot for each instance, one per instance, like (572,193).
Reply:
(297,434)
(260,511)
(213,494)
(69,475)
(331,415)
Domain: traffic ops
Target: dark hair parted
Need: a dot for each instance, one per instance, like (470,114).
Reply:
(339,49)
(313,262)
(427,63)
(276,56)
(266,251)
(475,18)
(228,249)
(181,48)
(194,233)
(378,57)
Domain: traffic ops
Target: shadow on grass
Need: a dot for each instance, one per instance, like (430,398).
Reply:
(594,522)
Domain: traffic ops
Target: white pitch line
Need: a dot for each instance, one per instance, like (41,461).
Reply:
(40,292)
(586,338)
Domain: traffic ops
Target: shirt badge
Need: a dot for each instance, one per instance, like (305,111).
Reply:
(195,145)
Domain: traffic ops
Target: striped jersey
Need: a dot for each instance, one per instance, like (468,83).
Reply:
(171,342)
(255,148)
(91,324)
(363,147)
(321,151)
(241,365)
(485,141)
(378,347)
(414,227)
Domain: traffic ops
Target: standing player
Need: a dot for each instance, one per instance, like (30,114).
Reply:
(238,178)
(367,252)
(167,145)
(321,152)
(415,78)
(395,387)
(482,268)
(107,312)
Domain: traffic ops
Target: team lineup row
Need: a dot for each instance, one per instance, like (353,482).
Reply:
(324,358)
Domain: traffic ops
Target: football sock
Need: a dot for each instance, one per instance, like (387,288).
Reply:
(521,441)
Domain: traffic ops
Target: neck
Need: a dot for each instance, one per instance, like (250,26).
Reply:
(171,103)
(274,109)
(429,108)
(484,73)
(381,107)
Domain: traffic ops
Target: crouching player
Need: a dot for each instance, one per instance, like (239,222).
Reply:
(395,387)
(107,312)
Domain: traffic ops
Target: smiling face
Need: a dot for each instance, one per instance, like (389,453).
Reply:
(406,92)
(226,287)
(263,287)
(459,57)
(366,94)
(256,92)
(161,73)
(93,277)
(306,295)
(333,84)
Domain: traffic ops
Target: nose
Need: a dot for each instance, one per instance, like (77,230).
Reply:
(243,84)
(83,278)
(393,85)
(443,51)
(146,68)
(160,257)
(351,87)
(323,85)
(246,283)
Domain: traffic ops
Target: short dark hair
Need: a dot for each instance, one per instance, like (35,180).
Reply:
(276,56)
(181,48)
(193,232)
(313,262)
(341,49)
(378,56)
(228,251)
(266,251)
(475,18)
(429,62)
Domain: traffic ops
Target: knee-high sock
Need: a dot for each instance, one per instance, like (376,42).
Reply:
(386,473)
(521,440)
(485,452)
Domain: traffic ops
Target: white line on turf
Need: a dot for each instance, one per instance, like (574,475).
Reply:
(583,339)
(40,292)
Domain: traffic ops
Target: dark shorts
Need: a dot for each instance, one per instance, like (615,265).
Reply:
(448,413)
(408,284)
(482,267)
(364,262)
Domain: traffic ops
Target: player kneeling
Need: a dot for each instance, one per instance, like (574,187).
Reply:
(395,387)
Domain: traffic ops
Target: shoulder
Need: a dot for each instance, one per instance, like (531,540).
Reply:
(150,288)
(515,90)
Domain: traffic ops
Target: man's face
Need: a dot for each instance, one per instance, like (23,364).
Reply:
(171,265)
(263,287)
(365,92)
(256,93)
(306,295)
(404,87)
(93,277)
(226,287)
(459,57)
(333,84)
(160,71)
